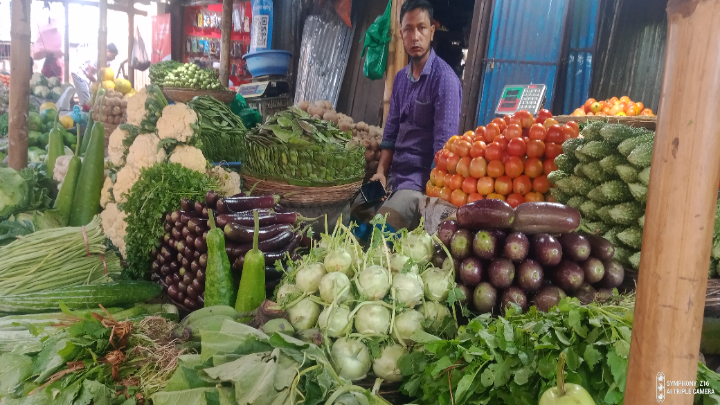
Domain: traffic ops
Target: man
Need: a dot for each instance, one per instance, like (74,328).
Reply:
(87,73)
(51,66)
(424,114)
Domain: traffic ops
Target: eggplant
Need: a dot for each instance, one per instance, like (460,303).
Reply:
(548,297)
(585,294)
(486,244)
(155,277)
(182,287)
(190,240)
(229,205)
(182,272)
(175,216)
(530,276)
(160,259)
(272,274)
(484,298)
(594,270)
(202,261)
(514,295)
(189,253)
(173,291)
(196,255)
(245,234)
(191,293)
(185,216)
(600,247)
(155,266)
(461,244)
(191,303)
(201,244)
(168,217)
(187,204)
(185,232)
(176,234)
(517,247)
(267,217)
(614,275)
(211,198)
(168,280)
(168,227)
(487,213)
(200,277)
(179,225)
(206,213)
(195,223)
(174,266)
(199,207)
(471,272)
(185,262)
(446,230)
(166,253)
(501,273)
(197,286)
(194,266)
(576,247)
(546,250)
(273,244)
(545,217)
(165,270)
(568,276)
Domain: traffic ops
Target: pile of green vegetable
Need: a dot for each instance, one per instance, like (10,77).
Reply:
(219,131)
(295,148)
(184,75)
(23,197)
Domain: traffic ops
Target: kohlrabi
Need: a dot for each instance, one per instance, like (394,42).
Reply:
(386,366)
(333,284)
(334,321)
(398,261)
(372,319)
(438,283)
(436,312)
(352,398)
(408,289)
(339,260)
(373,282)
(407,323)
(304,314)
(286,290)
(309,276)
(418,245)
(351,358)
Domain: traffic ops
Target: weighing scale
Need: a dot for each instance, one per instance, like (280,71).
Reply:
(267,94)
(518,97)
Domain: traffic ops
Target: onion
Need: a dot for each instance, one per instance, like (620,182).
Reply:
(332,284)
(334,321)
(309,276)
(437,284)
(351,359)
(407,323)
(408,289)
(373,319)
(386,366)
(304,314)
(374,282)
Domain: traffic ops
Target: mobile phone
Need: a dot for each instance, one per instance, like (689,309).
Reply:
(373,191)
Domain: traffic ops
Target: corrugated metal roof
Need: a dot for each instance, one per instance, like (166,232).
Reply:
(580,54)
(287,30)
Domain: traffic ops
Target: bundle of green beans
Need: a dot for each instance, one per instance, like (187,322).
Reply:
(219,131)
(56,258)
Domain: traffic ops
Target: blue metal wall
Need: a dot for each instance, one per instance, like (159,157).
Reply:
(525,48)
(580,54)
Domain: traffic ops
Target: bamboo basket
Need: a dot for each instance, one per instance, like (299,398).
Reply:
(712,297)
(296,196)
(182,95)
(639,121)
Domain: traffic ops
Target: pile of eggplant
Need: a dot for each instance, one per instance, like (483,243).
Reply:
(179,263)
(530,255)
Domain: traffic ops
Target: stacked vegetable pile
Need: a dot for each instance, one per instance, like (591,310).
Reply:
(529,254)
(180,262)
(509,160)
(621,107)
(23,197)
(114,109)
(184,75)
(220,132)
(295,148)
(47,88)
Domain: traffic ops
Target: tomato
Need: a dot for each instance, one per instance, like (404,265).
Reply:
(537,132)
(494,151)
(549,166)
(455,182)
(549,198)
(640,105)
(516,147)
(478,149)
(579,112)
(502,141)
(492,130)
(439,177)
(533,167)
(535,148)
(541,184)
(451,145)
(613,101)
(445,193)
(474,197)
(567,132)
(463,166)
(526,119)
(555,134)
(442,160)
(542,115)
(479,134)
(485,185)
(588,103)
(549,122)
(500,123)
(515,199)
(503,185)
(433,173)
(462,147)
(469,185)
(515,120)
(507,118)
(513,131)
(522,185)
(496,196)
(458,198)
(495,168)
(478,167)
(605,111)
(552,150)
(437,156)
(514,167)
(452,162)
(467,138)
(576,128)
(432,191)
(534,197)
(624,99)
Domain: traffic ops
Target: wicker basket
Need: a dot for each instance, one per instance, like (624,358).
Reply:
(180,95)
(639,122)
(296,196)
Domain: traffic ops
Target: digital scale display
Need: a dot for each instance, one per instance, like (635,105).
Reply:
(518,97)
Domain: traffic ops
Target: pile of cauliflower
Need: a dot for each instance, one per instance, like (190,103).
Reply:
(175,129)
(47,88)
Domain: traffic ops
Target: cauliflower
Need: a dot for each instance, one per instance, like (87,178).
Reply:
(115,226)
(190,157)
(56,92)
(106,195)
(53,82)
(136,107)
(177,122)
(126,177)
(229,181)
(116,148)
(41,91)
(144,152)
(37,79)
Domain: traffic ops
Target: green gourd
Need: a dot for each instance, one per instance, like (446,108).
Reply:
(219,285)
(565,393)
(251,293)
(63,203)
(86,135)
(55,147)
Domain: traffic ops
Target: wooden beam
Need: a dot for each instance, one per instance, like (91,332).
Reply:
(397,57)
(66,45)
(472,74)
(680,208)
(19,89)
(225,41)
(114,7)
(102,35)
(131,44)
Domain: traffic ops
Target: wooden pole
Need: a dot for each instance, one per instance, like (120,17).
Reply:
(397,57)
(131,44)
(680,209)
(66,45)
(102,35)
(19,89)
(225,41)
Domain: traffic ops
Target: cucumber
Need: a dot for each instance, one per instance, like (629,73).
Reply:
(81,297)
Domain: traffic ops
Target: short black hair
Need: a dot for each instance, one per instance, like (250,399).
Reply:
(112,48)
(411,5)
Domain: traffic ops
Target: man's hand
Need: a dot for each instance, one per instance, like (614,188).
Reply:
(380,177)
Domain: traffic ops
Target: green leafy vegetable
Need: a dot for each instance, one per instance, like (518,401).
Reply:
(20,191)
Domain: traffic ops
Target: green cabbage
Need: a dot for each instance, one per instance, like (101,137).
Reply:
(20,191)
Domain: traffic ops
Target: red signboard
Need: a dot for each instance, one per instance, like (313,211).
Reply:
(160,38)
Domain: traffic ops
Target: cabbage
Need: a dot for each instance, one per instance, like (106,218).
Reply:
(374,282)
(309,276)
(408,289)
(332,284)
(304,314)
(386,366)
(372,319)
(437,284)
(397,264)
(418,246)
(436,312)
(339,260)
(334,321)
(19,191)
(407,323)
(351,359)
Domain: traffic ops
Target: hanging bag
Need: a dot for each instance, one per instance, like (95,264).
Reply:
(140,59)
(375,48)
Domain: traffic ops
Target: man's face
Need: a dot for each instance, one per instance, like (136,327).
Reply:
(111,56)
(417,33)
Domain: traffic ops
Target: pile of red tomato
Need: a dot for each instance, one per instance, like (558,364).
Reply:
(508,159)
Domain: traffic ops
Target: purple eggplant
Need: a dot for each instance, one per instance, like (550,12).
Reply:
(245,234)
(230,205)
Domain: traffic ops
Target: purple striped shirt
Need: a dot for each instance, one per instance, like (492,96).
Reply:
(423,115)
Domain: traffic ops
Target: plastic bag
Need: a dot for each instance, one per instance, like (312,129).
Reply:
(262,25)
(249,116)
(375,48)
(49,41)
(140,59)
